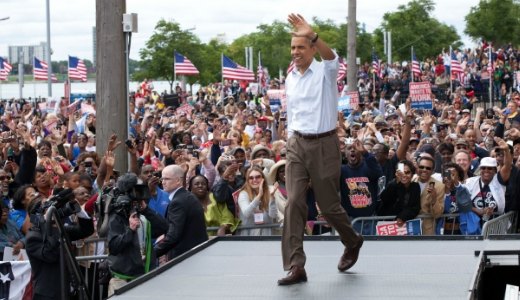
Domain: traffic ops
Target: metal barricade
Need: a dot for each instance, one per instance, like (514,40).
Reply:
(91,255)
(275,228)
(503,224)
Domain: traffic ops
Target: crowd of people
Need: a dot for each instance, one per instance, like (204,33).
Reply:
(216,160)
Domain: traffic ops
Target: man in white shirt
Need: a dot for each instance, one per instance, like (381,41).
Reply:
(312,150)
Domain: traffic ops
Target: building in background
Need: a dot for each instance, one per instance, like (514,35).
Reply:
(26,53)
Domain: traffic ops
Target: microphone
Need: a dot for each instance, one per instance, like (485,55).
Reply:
(126,182)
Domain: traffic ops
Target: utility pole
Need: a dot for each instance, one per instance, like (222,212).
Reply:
(111,98)
(351,46)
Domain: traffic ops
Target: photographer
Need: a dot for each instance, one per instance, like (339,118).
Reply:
(43,241)
(132,225)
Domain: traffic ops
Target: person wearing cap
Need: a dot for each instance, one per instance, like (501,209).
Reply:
(488,189)
(312,150)
(276,180)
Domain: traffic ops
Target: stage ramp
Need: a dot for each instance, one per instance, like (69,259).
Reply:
(248,268)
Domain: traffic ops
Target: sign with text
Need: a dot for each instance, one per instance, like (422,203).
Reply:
(420,94)
(276,100)
(411,227)
(348,103)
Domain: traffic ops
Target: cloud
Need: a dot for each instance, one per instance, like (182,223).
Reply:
(72,21)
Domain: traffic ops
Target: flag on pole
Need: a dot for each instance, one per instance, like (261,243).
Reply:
(455,64)
(342,72)
(376,66)
(77,69)
(232,70)
(5,69)
(40,70)
(183,66)
(260,75)
(290,67)
(416,68)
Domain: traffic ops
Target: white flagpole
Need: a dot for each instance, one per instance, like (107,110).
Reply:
(411,65)
(490,62)
(451,70)
(174,73)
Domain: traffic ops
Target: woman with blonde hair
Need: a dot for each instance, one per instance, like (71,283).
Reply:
(256,203)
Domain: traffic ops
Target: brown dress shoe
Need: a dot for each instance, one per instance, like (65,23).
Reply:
(349,257)
(295,275)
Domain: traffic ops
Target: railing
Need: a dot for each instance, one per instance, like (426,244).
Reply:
(503,224)
(276,228)
(90,259)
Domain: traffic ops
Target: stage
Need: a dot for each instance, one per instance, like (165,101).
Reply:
(242,268)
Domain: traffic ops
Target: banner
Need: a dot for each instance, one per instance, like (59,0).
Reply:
(420,94)
(411,227)
(186,109)
(277,100)
(14,277)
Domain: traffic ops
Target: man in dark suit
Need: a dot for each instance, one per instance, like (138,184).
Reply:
(185,216)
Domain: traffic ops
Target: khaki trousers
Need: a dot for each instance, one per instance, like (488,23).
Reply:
(317,161)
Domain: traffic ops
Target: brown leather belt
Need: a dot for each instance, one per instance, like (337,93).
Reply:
(314,136)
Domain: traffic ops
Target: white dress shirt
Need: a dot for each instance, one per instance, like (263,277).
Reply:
(312,98)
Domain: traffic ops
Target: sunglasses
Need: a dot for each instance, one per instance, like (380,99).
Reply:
(425,168)
(2,178)
(488,168)
(407,172)
(257,177)
(462,147)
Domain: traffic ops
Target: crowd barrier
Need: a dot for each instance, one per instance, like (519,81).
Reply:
(503,224)
(91,257)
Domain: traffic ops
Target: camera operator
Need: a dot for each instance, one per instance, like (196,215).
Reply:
(43,241)
(132,225)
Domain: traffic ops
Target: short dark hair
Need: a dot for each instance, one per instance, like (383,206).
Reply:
(409,164)
(420,158)
(460,171)
(446,147)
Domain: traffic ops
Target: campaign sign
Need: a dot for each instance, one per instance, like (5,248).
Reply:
(411,227)
(420,94)
(348,102)
(275,99)
(390,228)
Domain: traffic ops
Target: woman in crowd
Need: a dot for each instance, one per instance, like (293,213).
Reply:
(401,197)
(21,200)
(277,187)
(10,234)
(216,213)
(257,205)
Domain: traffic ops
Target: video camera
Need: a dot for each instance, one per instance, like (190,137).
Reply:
(62,201)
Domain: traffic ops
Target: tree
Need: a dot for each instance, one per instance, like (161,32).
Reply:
(411,25)
(158,55)
(494,20)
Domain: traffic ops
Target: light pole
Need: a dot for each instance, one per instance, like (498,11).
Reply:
(20,73)
(49,62)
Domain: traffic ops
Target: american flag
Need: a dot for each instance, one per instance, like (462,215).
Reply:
(290,67)
(5,69)
(342,72)
(376,67)
(260,75)
(416,68)
(455,65)
(77,69)
(232,70)
(40,70)
(183,66)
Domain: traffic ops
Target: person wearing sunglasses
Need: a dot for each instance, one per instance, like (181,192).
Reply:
(256,203)
(402,196)
(488,189)
(432,193)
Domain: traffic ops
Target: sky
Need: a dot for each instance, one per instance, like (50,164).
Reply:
(72,20)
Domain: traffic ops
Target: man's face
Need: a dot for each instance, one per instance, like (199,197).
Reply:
(146,173)
(302,52)
(170,182)
(463,161)
(379,153)
(424,170)
(353,156)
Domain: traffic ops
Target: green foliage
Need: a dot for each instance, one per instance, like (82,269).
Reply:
(494,20)
(412,25)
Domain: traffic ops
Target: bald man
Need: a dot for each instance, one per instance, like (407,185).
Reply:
(184,214)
